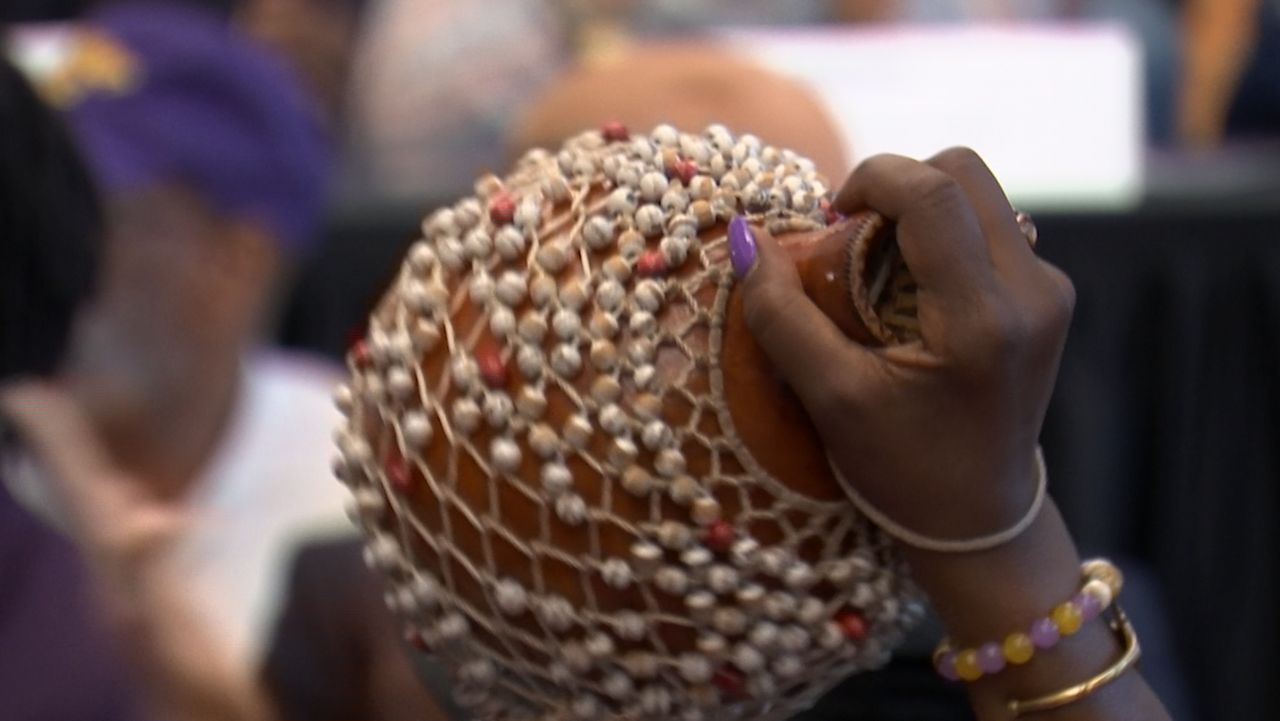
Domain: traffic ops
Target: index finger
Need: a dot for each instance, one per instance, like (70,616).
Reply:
(938,231)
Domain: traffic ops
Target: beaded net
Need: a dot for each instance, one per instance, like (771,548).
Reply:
(545,466)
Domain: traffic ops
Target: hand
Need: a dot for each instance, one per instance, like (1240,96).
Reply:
(940,435)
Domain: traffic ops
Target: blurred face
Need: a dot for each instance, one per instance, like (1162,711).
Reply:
(180,277)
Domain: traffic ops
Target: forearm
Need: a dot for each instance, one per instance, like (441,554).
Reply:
(187,673)
(984,596)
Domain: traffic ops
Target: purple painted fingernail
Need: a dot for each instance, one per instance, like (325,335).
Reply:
(742,246)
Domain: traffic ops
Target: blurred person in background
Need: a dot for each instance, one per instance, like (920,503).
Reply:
(213,170)
(57,660)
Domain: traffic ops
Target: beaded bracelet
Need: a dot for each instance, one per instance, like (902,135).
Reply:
(1102,583)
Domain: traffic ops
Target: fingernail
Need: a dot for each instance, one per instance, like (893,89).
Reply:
(742,246)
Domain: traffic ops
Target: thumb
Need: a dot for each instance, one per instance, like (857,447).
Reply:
(813,355)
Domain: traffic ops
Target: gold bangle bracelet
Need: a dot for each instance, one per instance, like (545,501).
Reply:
(1132,652)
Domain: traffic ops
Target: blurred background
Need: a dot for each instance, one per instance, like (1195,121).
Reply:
(1144,135)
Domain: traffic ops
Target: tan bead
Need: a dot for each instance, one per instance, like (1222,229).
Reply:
(631,243)
(706,510)
(637,481)
(647,406)
(575,293)
(603,325)
(622,453)
(531,403)
(553,257)
(606,389)
(616,268)
(684,490)
(577,431)
(674,535)
(702,213)
(542,290)
(643,323)
(424,334)
(543,440)
(532,327)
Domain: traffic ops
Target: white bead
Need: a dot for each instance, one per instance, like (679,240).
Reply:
(649,295)
(502,322)
(617,685)
(426,590)
(830,636)
(747,658)
(812,610)
(576,656)
(722,579)
(788,666)
(566,324)
(628,175)
(763,635)
(616,573)
(657,435)
(750,596)
(466,415)
(712,644)
(610,295)
(566,361)
(655,700)
(672,580)
(641,147)
(640,350)
(598,231)
(684,490)
(674,535)
(622,201)
(643,323)
(613,420)
(509,242)
(599,645)
(649,219)
(630,625)
(451,253)
(421,257)
(645,557)
(505,454)
(675,250)
(382,553)
(695,668)
(465,372)
(675,200)
(571,509)
(556,479)
(416,428)
(729,621)
(467,213)
(453,626)
(478,245)
(652,186)
(644,375)
(800,576)
(556,188)
(511,288)
(511,597)
(665,135)
(779,605)
(400,383)
(441,222)
(366,503)
(528,213)
(477,671)
(556,612)
(529,361)
(497,409)
(683,226)
(774,560)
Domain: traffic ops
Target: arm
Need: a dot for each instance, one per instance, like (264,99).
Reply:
(1217,38)
(185,672)
(941,435)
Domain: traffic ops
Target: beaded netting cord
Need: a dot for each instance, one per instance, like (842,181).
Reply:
(545,466)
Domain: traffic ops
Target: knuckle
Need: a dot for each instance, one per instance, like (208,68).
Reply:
(937,190)
(959,159)
(999,333)
(1058,305)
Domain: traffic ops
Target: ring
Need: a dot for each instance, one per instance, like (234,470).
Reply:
(1028,227)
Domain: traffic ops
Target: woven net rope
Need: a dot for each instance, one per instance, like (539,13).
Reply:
(543,458)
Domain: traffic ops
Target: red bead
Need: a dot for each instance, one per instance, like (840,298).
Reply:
(833,216)
(684,169)
(492,369)
(651,263)
(730,680)
(614,130)
(360,353)
(502,208)
(852,625)
(719,535)
(398,472)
